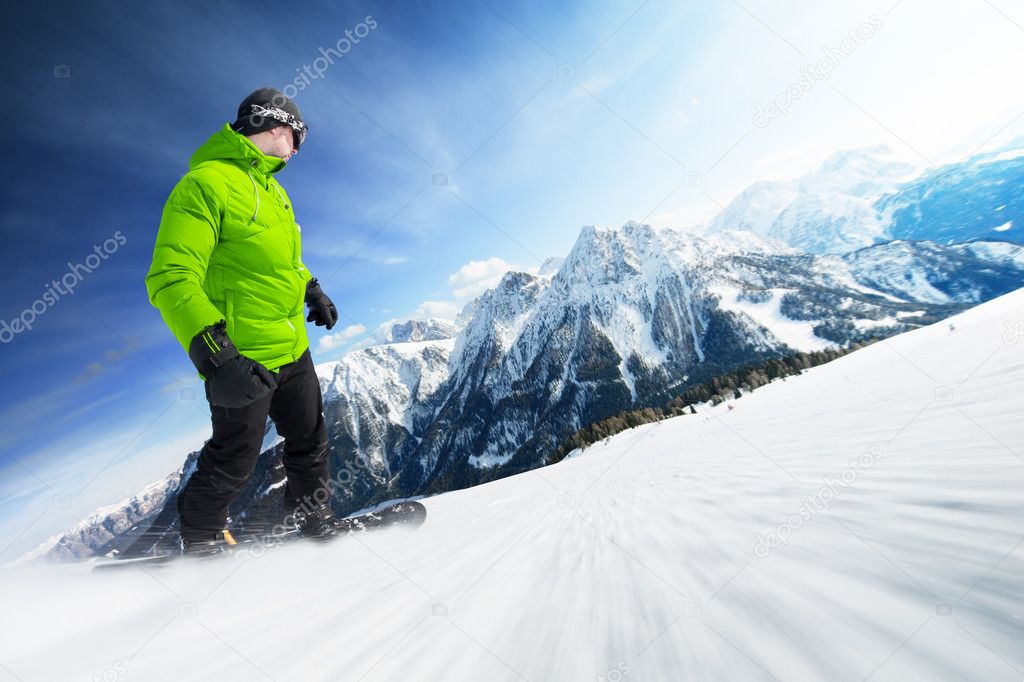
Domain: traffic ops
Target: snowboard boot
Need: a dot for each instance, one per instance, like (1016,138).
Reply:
(206,546)
(318,523)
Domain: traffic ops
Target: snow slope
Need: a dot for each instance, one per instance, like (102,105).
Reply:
(894,474)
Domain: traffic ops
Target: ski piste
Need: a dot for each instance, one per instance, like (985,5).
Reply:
(408,514)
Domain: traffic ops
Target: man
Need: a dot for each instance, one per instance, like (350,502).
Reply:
(228,279)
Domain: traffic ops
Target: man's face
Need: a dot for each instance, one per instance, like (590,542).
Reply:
(283,142)
(290,133)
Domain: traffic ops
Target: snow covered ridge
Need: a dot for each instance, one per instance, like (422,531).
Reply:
(431,329)
(100,528)
(638,559)
(113,527)
(866,196)
(927,272)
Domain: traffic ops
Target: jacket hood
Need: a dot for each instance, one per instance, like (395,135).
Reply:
(227,145)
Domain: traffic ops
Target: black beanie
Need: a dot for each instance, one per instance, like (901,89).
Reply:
(249,122)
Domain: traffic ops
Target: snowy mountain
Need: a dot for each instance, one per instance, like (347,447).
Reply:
(861,520)
(863,197)
(927,272)
(630,318)
(633,315)
(376,402)
(431,329)
(829,211)
(980,198)
(94,534)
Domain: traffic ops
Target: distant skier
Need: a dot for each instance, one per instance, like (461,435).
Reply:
(228,279)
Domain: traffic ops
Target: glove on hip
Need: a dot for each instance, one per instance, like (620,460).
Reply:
(233,379)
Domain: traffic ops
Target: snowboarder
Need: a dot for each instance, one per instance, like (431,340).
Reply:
(228,279)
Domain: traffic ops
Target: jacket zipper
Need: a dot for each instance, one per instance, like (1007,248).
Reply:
(302,294)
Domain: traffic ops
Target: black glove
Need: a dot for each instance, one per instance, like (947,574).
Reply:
(321,309)
(233,379)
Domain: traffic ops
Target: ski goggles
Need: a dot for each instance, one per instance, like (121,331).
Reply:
(298,127)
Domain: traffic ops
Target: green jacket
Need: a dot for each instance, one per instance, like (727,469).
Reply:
(229,249)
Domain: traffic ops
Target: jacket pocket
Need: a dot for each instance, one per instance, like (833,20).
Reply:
(240,230)
(238,223)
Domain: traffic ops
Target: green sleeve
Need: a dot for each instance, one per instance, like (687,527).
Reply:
(187,236)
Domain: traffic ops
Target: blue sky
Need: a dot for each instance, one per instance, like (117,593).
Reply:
(453,141)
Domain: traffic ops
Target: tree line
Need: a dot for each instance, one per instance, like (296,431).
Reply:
(720,388)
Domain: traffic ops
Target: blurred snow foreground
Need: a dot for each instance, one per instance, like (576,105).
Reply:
(860,521)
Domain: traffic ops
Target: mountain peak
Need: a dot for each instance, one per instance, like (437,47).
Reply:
(550,266)
(830,210)
(844,157)
(429,329)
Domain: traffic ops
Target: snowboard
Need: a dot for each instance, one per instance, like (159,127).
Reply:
(410,514)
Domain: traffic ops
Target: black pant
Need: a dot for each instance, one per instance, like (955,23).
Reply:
(229,457)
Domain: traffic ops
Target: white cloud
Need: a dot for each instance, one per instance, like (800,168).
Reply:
(477,276)
(468,282)
(338,339)
(443,309)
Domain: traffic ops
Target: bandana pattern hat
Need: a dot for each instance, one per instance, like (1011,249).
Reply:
(300,128)
(268,108)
